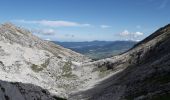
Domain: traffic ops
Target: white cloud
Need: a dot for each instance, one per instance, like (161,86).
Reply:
(105,26)
(55,23)
(138,33)
(48,39)
(86,25)
(134,36)
(125,33)
(45,31)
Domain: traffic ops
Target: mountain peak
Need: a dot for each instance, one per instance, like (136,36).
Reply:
(159,34)
(8,24)
(11,32)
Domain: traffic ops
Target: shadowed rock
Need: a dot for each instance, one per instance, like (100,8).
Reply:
(23,91)
(146,74)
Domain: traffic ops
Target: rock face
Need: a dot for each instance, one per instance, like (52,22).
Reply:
(144,72)
(16,35)
(26,59)
(20,91)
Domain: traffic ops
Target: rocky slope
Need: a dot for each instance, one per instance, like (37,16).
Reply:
(143,72)
(26,59)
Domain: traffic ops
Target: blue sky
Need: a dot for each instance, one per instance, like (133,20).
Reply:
(87,20)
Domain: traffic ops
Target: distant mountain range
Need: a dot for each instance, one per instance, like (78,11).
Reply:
(98,49)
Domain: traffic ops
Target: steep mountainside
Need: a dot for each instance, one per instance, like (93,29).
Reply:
(13,34)
(26,59)
(144,72)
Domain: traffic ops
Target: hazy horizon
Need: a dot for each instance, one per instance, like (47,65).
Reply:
(96,41)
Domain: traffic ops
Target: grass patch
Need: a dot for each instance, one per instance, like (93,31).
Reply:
(36,68)
(46,63)
(59,98)
(67,70)
(67,67)
(103,71)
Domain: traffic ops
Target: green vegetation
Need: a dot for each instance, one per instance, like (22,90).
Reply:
(67,70)
(103,71)
(46,63)
(67,67)
(96,55)
(58,98)
(98,49)
(36,68)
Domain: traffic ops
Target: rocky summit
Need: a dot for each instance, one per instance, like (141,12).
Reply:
(35,69)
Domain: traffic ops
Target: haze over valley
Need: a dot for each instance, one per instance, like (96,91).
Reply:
(98,49)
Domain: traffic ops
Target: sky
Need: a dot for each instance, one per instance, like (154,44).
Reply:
(87,20)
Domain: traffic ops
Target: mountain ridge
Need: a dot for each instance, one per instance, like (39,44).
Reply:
(26,38)
(145,74)
(26,58)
